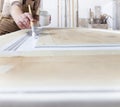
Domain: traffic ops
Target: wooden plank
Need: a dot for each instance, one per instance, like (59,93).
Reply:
(58,7)
(73,14)
(61,71)
(69,1)
(63,68)
(78,37)
(77,14)
(66,17)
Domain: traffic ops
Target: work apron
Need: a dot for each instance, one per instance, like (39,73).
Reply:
(8,25)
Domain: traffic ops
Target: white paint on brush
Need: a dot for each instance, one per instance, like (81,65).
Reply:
(33,34)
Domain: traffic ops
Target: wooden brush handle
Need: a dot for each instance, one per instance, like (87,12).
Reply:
(29,8)
(30,11)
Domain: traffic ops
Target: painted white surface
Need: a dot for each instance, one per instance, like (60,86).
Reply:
(84,6)
(30,45)
(60,97)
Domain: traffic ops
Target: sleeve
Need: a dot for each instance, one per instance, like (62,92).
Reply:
(11,1)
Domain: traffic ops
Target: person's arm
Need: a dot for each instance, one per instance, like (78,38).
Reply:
(21,19)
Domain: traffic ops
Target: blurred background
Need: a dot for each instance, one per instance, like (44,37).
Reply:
(103,14)
(84,13)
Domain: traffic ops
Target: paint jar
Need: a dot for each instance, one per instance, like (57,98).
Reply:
(44,18)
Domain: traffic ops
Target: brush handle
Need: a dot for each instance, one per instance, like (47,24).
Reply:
(31,22)
(30,11)
(29,8)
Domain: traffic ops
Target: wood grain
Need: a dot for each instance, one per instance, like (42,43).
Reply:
(62,71)
(77,37)
(63,68)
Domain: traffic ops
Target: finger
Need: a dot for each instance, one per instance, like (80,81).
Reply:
(29,16)
(19,22)
(26,23)
(21,25)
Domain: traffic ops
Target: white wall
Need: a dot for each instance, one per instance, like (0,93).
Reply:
(84,6)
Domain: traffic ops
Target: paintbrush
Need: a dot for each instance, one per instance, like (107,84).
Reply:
(32,23)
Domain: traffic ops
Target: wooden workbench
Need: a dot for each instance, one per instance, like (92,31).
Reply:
(78,37)
(62,69)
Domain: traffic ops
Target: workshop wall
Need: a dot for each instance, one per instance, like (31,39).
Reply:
(87,4)
(84,6)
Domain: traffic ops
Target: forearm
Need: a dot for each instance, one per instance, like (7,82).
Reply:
(16,10)
(20,18)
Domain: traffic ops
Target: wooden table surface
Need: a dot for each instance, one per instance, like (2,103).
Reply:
(66,71)
(76,69)
(77,37)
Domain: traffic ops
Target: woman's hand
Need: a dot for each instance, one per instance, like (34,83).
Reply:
(23,20)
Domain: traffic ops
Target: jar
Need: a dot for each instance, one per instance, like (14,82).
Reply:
(44,18)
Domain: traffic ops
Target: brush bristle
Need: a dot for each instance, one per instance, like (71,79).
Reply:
(33,34)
